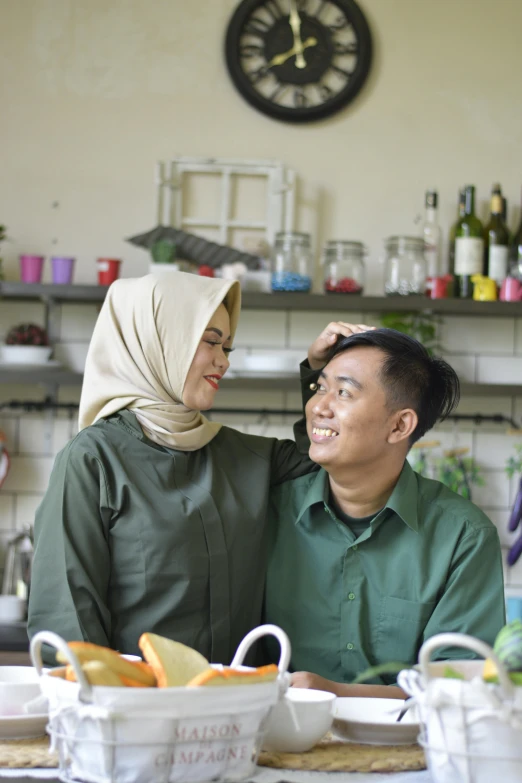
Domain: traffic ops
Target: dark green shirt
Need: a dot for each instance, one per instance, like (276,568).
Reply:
(429,562)
(134,537)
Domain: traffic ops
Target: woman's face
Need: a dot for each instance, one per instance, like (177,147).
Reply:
(210,363)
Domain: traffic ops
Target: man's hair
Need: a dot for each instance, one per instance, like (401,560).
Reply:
(410,376)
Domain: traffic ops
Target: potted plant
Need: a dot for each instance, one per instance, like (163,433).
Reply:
(163,253)
(26,344)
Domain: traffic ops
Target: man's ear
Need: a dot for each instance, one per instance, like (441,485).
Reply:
(404,423)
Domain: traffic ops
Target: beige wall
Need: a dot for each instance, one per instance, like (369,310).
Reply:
(93,92)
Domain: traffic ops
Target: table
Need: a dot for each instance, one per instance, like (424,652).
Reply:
(263,775)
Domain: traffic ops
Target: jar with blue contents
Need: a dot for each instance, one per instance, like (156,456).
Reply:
(292,262)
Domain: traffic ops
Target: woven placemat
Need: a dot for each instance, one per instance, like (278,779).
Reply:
(349,757)
(26,753)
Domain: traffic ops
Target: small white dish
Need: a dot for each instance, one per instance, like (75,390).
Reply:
(299,720)
(12,609)
(18,686)
(374,721)
(25,354)
(22,726)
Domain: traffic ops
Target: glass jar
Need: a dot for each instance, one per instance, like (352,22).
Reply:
(344,270)
(292,262)
(405,266)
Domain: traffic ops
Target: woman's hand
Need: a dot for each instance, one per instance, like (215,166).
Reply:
(319,350)
(313,681)
(317,683)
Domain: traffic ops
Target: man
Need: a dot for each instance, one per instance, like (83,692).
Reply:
(368,559)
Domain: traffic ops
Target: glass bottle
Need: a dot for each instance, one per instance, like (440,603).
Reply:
(515,252)
(469,247)
(405,266)
(344,271)
(453,232)
(292,262)
(496,240)
(432,235)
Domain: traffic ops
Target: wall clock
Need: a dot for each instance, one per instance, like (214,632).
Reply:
(298,60)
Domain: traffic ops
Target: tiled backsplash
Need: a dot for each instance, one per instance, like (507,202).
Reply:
(487,350)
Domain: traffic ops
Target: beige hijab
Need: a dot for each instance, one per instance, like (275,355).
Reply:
(141,350)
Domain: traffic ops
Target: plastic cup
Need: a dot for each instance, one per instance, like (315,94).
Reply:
(108,270)
(31,268)
(62,269)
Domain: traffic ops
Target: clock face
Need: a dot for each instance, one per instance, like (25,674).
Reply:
(298,60)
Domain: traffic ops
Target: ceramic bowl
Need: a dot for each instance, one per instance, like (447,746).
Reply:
(299,720)
(12,609)
(374,721)
(18,685)
(26,354)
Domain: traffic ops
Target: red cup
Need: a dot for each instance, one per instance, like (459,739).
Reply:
(439,286)
(108,270)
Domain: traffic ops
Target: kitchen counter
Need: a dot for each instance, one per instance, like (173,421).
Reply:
(14,645)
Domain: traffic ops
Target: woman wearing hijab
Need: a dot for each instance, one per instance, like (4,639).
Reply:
(154,518)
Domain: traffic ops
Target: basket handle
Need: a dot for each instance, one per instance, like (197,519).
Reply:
(52,639)
(257,633)
(467,643)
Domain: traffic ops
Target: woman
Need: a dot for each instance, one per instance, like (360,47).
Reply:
(154,518)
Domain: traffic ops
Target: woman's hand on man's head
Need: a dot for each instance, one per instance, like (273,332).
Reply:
(320,348)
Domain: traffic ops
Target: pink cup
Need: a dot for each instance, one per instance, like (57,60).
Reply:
(511,290)
(31,268)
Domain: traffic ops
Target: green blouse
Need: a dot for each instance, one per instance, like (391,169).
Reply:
(133,537)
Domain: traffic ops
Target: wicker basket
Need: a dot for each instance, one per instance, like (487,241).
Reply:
(471,730)
(158,735)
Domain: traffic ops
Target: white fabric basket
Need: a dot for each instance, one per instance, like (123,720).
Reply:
(158,735)
(471,730)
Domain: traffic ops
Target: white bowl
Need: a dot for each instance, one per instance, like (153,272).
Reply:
(18,685)
(374,721)
(26,354)
(12,609)
(299,720)
(280,363)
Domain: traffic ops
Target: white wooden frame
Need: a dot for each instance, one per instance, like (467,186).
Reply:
(280,203)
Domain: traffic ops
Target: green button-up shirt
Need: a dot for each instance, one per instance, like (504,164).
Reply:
(134,537)
(429,562)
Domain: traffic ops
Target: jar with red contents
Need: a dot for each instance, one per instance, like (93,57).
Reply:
(344,269)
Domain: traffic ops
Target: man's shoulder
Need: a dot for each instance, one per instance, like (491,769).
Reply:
(439,504)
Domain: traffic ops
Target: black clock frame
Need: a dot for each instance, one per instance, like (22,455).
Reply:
(341,99)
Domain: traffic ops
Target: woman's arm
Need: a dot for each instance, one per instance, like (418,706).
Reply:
(71,568)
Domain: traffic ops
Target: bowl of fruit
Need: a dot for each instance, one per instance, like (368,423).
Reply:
(26,344)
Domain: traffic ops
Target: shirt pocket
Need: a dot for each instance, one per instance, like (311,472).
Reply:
(400,629)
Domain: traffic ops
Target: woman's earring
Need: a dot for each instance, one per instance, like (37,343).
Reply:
(313,387)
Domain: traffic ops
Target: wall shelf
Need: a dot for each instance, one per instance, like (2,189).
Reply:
(281,301)
(65,377)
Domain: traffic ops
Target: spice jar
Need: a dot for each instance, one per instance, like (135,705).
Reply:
(292,262)
(405,266)
(344,267)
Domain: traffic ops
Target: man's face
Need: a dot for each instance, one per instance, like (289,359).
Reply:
(348,421)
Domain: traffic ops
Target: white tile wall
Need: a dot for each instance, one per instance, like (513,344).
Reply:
(488,350)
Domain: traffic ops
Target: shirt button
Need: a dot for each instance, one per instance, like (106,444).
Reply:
(354,547)
(351,596)
(349,646)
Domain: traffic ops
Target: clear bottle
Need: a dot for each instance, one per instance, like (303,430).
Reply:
(515,252)
(344,270)
(405,266)
(453,232)
(432,235)
(292,262)
(469,247)
(496,241)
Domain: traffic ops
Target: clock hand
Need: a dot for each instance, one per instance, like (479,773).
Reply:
(295,24)
(279,59)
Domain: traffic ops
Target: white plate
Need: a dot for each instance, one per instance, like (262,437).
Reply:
(33,366)
(374,721)
(22,726)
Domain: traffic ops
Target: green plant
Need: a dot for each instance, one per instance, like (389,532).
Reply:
(163,251)
(458,473)
(420,326)
(514,464)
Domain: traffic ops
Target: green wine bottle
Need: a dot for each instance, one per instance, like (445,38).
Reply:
(469,247)
(515,253)
(496,240)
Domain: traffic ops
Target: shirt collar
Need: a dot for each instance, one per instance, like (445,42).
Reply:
(403,499)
